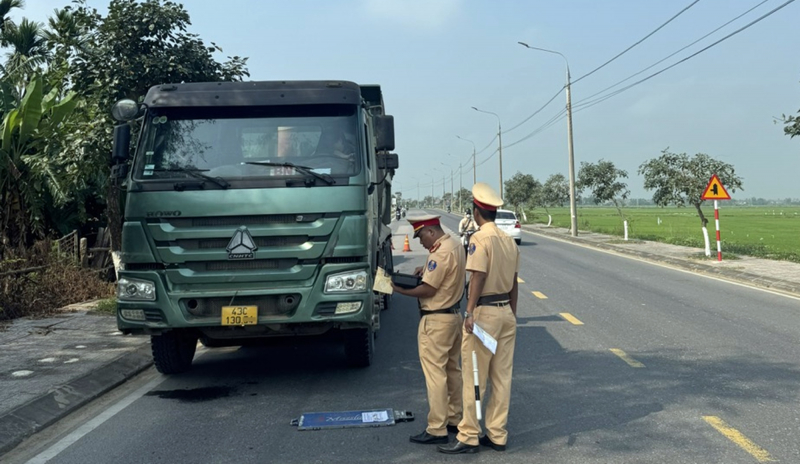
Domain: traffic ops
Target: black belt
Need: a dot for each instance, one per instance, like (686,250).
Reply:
(497,300)
(453,310)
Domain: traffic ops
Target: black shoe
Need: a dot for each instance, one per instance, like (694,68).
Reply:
(485,441)
(452,429)
(426,438)
(456,447)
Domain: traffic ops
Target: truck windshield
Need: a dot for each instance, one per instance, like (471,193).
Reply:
(231,143)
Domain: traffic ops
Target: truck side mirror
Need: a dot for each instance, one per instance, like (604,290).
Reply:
(125,110)
(388,161)
(122,143)
(384,133)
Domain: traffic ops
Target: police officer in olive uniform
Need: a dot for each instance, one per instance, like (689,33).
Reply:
(493,263)
(439,333)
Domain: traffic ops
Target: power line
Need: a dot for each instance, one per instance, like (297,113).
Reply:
(637,43)
(671,55)
(537,111)
(617,92)
(561,115)
(601,66)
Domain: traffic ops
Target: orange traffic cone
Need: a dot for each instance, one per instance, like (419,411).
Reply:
(406,246)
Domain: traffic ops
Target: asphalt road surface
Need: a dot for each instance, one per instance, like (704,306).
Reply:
(617,361)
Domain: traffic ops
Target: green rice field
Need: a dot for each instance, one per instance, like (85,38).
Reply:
(761,231)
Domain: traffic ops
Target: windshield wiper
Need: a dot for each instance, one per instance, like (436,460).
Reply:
(302,169)
(198,174)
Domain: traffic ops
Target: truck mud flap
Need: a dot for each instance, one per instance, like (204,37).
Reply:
(348,419)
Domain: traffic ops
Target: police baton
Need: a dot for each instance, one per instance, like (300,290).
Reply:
(477,384)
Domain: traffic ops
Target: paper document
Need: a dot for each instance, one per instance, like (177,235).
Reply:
(383,282)
(488,341)
(374,416)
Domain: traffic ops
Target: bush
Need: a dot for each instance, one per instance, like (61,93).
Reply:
(58,283)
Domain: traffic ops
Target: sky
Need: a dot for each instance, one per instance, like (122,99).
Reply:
(435,59)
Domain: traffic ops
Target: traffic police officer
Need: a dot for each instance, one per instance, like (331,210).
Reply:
(439,333)
(493,263)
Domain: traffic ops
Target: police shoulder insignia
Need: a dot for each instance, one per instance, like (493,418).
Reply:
(431,265)
(471,248)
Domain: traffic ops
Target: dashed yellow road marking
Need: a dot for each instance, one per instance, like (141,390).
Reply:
(624,356)
(520,281)
(540,295)
(571,318)
(737,437)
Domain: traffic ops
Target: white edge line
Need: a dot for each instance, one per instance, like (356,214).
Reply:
(666,266)
(87,427)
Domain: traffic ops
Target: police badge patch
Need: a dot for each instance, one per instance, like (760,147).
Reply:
(471,248)
(431,265)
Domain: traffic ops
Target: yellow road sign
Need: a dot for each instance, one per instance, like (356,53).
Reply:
(715,190)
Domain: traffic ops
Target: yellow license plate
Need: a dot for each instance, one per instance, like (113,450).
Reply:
(239,315)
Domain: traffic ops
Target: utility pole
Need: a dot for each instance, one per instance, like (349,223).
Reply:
(460,185)
(452,194)
(474,170)
(572,207)
(572,201)
(444,188)
(499,147)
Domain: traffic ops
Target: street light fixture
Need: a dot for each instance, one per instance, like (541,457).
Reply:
(500,144)
(572,206)
(474,172)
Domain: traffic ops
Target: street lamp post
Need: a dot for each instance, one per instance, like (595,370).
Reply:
(500,144)
(572,206)
(452,193)
(474,171)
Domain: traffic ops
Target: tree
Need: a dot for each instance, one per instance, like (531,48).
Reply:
(680,180)
(603,179)
(138,44)
(519,190)
(791,125)
(31,172)
(555,191)
(465,196)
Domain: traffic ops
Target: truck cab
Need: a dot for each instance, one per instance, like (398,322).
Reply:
(254,210)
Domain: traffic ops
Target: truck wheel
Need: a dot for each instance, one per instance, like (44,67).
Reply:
(359,347)
(173,351)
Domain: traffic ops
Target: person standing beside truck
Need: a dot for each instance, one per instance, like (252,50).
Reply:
(439,333)
(493,263)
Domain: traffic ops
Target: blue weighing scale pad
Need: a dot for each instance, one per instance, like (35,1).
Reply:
(346,419)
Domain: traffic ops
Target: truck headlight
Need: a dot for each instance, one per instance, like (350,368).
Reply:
(135,289)
(346,282)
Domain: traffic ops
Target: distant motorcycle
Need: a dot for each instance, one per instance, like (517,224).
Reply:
(397,214)
(403,213)
(465,239)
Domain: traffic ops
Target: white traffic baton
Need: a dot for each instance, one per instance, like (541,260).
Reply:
(477,385)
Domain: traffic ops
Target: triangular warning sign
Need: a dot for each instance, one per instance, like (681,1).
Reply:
(715,190)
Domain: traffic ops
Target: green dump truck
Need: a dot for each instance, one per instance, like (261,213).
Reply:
(253,210)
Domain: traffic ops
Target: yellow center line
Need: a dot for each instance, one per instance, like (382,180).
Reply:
(624,356)
(737,437)
(540,295)
(571,318)
(520,281)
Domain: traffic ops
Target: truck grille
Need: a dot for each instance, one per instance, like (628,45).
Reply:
(222,243)
(251,265)
(241,220)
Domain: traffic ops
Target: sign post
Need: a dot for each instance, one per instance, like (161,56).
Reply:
(715,191)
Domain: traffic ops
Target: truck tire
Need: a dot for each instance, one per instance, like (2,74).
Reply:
(173,351)
(359,347)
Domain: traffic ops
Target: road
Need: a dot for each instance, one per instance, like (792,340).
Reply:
(617,361)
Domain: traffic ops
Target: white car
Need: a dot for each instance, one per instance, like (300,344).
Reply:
(507,222)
